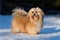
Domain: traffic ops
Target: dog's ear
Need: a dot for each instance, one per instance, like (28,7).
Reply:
(40,11)
(28,15)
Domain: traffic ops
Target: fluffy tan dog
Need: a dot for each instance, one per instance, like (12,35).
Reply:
(30,23)
(19,20)
(35,22)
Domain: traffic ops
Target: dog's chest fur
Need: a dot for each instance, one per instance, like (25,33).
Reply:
(38,26)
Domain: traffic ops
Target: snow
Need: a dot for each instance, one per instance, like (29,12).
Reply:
(7,35)
(50,31)
(52,21)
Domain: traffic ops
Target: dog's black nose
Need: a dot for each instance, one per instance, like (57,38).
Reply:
(34,14)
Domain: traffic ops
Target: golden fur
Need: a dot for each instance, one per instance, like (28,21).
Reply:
(19,20)
(35,23)
(31,22)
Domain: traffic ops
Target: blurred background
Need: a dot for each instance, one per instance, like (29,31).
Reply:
(48,6)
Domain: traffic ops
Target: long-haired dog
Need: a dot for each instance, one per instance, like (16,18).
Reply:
(31,22)
(35,22)
(19,20)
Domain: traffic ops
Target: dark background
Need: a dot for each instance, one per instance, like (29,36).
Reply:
(50,7)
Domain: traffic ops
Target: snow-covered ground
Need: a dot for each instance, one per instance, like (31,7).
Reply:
(50,31)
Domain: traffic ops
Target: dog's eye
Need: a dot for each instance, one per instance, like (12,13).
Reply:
(36,11)
(32,12)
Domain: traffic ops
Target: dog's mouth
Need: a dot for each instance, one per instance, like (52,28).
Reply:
(35,17)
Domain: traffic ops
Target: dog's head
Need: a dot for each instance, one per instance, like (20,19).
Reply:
(35,14)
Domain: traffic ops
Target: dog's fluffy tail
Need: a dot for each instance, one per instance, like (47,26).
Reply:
(18,11)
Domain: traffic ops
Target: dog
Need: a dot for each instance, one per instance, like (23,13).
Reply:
(19,20)
(35,21)
(30,22)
